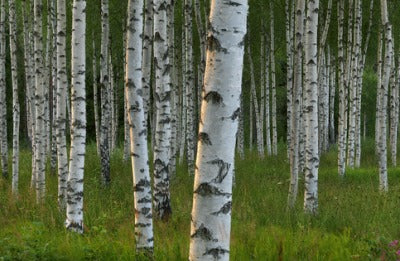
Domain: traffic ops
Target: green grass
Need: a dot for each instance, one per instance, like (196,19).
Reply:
(355,221)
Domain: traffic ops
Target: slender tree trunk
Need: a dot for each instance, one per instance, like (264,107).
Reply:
(311,111)
(394,115)
(40,154)
(212,199)
(342,93)
(138,132)
(190,93)
(240,135)
(105,96)
(267,102)
(127,139)
(147,57)
(96,99)
(74,220)
(16,108)
(382,144)
(289,72)
(332,94)
(162,205)
(297,97)
(53,86)
(273,77)
(259,129)
(62,86)
(3,103)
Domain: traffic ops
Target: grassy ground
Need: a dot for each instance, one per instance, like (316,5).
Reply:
(355,220)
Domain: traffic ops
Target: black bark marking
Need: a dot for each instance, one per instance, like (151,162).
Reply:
(225,209)
(204,138)
(223,169)
(216,252)
(215,97)
(233,3)
(215,45)
(205,189)
(203,233)
(235,114)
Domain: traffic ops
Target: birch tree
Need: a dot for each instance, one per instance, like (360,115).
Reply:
(105,96)
(190,94)
(3,104)
(16,108)
(273,81)
(342,93)
(297,96)
(40,154)
(96,100)
(137,123)
(74,220)
(162,203)
(62,86)
(383,89)
(212,198)
(147,56)
(311,105)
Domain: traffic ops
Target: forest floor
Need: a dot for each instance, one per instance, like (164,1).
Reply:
(355,221)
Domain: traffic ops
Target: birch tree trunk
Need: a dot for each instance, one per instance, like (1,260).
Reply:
(40,154)
(342,93)
(74,220)
(162,155)
(273,78)
(311,111)
(267,102)
(332,94)
(289,72)
(96,100)
(212,198)
(382,144)
(394,115)
(62,86)
(259,127)
(105,96)
(53,86)
(360,82)
(16,108)
(138,132)
(3,103)
(147,57)
(297,96)
(190,93)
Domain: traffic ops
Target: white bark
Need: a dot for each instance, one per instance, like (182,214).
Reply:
(296,109)
(259,126)
(162,207)
(138,132)
(3,103)
(74,220)
(289,73)
(311,111)
(382,144)
(105,96)
(62,86)
(212,199)
(190,87)
(96,100)
(342,93)
(273,82)
(16,108)
(267,103)
(147,56)
(40,154)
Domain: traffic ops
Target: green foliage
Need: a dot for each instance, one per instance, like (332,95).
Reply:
(355,220)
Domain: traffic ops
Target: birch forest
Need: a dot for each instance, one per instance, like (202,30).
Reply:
(199,129)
